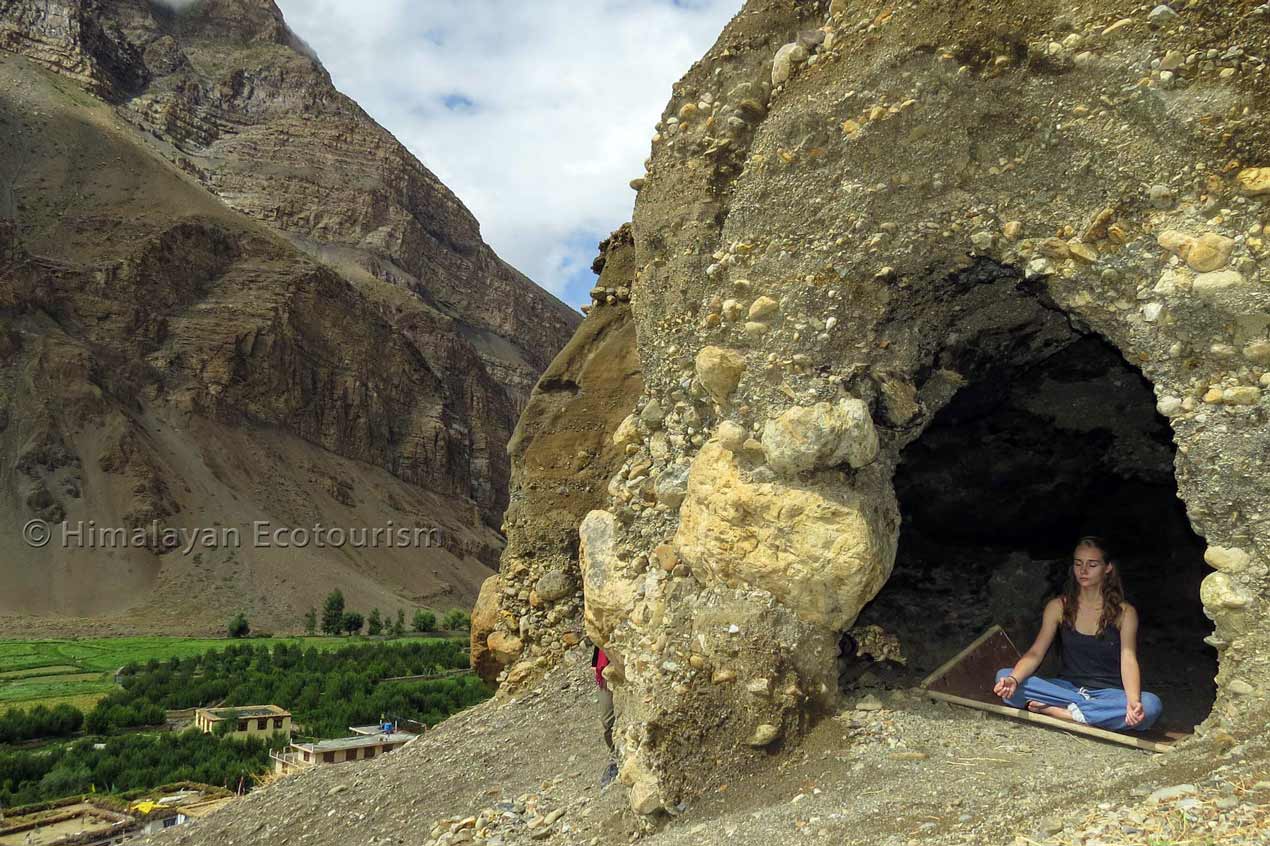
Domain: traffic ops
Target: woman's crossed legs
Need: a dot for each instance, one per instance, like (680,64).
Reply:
(1100,707)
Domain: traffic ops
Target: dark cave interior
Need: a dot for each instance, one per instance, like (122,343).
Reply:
(994,493)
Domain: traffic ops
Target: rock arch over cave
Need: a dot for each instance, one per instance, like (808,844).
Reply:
(1028,455)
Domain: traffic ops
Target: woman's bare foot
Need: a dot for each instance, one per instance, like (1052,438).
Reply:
(1049,710)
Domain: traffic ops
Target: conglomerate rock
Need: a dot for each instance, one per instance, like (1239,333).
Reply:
(230,296)
(876,203)
(822,549)
(574,433)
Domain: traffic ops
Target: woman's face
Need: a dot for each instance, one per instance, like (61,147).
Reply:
(1089,566)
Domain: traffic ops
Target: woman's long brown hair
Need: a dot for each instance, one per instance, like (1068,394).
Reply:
(1112,588)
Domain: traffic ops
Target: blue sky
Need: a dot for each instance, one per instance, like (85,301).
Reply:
(536,113)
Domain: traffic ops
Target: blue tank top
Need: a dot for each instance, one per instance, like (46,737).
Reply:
(1091,661)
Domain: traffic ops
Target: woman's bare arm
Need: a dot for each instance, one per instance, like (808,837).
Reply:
(1130,672)
(1035,654)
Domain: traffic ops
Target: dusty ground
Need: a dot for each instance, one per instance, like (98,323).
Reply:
(912,772)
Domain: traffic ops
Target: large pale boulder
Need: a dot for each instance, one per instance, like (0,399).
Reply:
(645,794)
(811,437)
(1254,181)
(505,647)
(822,550)
(719,370)
(1229,559)
(608,591)
(627,432)
(1218,591)
(787,57)
(484,618)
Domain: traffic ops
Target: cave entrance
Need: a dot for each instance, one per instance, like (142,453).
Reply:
(994,493)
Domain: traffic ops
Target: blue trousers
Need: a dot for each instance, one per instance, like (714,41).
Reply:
(1100,707)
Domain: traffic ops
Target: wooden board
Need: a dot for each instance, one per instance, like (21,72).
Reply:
(971,673)
(967,679)
(1151,741)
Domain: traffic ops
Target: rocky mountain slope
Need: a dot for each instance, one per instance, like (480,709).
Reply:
(228,296)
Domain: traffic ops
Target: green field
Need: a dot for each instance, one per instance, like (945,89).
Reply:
(81,671)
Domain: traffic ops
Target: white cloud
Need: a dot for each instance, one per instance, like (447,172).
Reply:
(536,114)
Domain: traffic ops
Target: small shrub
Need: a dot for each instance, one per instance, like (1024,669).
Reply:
(425,621)
(456,619)
(238,626)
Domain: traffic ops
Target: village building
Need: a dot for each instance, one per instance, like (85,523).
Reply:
(366,742)
(246,720)
(81,823)
(177,804)
(101,820)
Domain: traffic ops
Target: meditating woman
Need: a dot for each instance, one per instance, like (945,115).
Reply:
(1099,683)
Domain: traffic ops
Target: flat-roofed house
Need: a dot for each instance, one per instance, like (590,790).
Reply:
(245,720)
(366,743)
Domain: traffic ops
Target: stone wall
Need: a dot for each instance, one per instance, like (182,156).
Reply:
(853,210)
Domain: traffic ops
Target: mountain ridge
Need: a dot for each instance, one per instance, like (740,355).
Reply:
(190,254)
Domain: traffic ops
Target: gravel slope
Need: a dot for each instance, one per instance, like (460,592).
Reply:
(911,772)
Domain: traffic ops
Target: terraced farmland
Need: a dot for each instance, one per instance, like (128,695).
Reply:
(81,671)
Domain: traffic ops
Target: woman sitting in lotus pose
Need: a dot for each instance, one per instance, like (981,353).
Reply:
(1099,683)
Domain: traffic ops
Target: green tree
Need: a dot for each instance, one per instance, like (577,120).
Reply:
(310,621)
(227,724)
(374,623)
(238,626)
(399,625)
(425,620)
(66,778)
(59,721)
(333,613)
(456,619)
(97,721)
(353,622)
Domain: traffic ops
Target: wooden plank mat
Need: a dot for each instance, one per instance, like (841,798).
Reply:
(970,673)
(967,679)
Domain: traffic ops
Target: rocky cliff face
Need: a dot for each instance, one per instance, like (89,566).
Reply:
(564,451)
(855,212)
(227,292)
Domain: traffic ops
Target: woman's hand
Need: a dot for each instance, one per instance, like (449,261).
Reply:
(1006,687)
(1134,713)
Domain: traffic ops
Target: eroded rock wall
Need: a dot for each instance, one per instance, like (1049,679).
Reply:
(856,205)
(564,452)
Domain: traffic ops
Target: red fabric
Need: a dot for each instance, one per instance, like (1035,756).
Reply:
(601,662)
